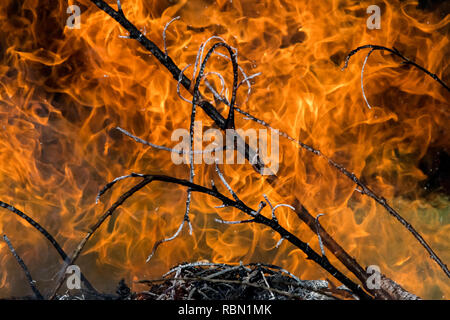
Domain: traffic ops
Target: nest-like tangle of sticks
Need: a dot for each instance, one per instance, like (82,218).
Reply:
(211,281)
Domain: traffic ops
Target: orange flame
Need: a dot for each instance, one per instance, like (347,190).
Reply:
(64,91)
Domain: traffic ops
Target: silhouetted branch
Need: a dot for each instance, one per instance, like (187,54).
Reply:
(364,189)
(348,261)
(362,78)
(222,122)
(22,264)
(166,61)
(48,236)
(92,230)
(398,54)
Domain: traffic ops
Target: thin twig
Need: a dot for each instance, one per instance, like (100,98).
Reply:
(137,139)
(180,78)
(112,183)
(348,261)
(225,183)
(234,222)
(363,189)
(209,109)
(267,285)
(159,242)
(229,122)
(279,242)
(163,148)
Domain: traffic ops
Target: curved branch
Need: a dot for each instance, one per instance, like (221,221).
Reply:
(47,235)
(398,54)
(229,124)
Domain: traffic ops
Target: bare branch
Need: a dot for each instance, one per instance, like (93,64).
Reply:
(234,222)
(163,148)
(225,183)
(267,285)
(22,264)
(279,242)
(48,236)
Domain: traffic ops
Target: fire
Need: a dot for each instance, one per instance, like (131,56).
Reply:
(64,91)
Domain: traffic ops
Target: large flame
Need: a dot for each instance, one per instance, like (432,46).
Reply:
(63,92)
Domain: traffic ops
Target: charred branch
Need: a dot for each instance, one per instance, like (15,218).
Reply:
(24,267)
(236,203)
(397,53)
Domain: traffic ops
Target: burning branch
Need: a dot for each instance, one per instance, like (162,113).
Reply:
(389,288)
(48,236)
(236,203)
(398,54)
(22,264)
(225,123)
